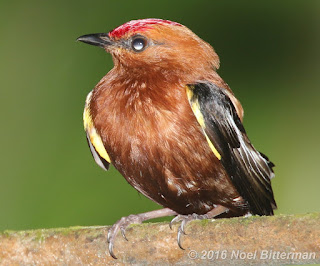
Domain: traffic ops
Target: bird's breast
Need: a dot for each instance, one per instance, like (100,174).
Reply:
(156,143)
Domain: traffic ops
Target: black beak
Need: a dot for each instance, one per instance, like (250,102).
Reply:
(97,39)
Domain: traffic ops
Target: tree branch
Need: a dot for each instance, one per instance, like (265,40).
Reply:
(282,239)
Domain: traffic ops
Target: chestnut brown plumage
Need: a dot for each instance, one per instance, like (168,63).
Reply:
(173,128)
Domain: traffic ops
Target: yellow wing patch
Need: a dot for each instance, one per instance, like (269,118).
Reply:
(194,103)
(92,134)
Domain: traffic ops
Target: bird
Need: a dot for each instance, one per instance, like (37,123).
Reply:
(165,119)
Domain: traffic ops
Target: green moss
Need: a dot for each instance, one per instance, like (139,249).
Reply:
(137,225)
(39,236)
(93,234)
(69,230)
(204,222)
(246,221)
(6,233)
(315,215)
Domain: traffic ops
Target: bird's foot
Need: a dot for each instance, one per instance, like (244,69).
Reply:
(184,219)
(121,226)
(124,222)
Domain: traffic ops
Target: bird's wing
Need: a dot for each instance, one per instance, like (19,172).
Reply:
(249,170)
(97,148)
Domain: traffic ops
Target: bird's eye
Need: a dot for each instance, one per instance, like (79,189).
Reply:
(139,44)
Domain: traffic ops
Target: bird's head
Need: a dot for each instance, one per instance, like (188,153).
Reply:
(156,44)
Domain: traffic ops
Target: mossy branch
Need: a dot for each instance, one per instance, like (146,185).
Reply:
(282,239)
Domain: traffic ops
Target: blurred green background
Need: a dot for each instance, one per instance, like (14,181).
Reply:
(270,57)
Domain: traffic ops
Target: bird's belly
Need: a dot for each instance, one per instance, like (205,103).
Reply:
(160,149)
(176,170)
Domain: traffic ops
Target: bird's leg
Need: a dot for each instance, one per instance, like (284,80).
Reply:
(124,222)
(187,218)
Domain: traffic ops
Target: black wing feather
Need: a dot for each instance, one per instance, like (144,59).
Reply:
(249,170)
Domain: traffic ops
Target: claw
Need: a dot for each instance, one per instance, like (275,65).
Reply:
(184,220)
(109,235)
(121,226)
(183,224)
(123,232)
(180,232)
(111,251)
(124,222)
(175,219)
